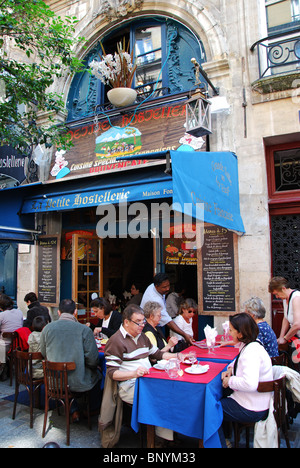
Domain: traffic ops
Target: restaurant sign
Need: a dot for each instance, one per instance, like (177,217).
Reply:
(12,165)
(98,145)
(100,196)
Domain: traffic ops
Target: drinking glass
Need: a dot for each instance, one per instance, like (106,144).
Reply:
(211,345)
(172,368)
(192,357)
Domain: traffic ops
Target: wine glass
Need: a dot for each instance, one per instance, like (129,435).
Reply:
(192,357)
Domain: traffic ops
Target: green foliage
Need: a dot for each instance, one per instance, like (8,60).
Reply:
(47,42)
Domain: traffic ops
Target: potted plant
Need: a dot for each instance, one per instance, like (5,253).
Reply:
(117,71)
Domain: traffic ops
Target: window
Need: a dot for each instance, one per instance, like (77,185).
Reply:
(287,169)
(163,49)
(148,53)
(282,15)
(283,168)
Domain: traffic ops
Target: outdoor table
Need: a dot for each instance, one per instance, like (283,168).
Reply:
(220,354)
(189,405)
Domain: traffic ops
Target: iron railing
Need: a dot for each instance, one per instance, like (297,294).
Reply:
(278,54)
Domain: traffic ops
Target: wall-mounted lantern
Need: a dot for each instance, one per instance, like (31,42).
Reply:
(198,114)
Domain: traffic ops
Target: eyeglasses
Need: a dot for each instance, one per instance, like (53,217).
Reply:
(139,324)
(191,311)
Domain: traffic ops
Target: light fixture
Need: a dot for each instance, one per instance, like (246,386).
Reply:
(198,113)
(198,116)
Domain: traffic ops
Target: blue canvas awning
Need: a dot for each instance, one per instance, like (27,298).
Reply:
(15,226)
(206,178)
(210,179)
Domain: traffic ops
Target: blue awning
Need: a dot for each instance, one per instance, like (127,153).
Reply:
(209,179)
(206,178)
(15,226)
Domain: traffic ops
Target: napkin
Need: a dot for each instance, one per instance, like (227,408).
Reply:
(161,364)
(210,335)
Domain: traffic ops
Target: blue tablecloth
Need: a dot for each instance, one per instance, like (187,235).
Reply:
(192,409)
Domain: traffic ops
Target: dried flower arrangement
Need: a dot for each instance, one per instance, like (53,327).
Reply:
(115,70)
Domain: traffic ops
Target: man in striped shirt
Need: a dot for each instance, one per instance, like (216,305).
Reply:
(127,355)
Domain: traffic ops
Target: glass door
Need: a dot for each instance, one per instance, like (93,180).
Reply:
(87,272)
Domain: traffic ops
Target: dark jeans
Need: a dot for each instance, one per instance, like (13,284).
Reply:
(233,412)
(95,396)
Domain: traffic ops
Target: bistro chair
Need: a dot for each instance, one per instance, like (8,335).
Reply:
(24,376)
(278,387)
(12,336)
(281,360)
(57,388)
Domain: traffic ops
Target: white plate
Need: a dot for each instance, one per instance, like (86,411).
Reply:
(197,370)
(158,367)
(204,345)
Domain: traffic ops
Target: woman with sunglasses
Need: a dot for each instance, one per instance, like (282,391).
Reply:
(184,321)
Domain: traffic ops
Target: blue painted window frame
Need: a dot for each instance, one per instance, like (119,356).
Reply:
(100,90)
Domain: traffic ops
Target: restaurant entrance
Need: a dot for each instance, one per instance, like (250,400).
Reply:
(108,267)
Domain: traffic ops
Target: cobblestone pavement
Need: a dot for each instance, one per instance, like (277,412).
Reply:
(17,434)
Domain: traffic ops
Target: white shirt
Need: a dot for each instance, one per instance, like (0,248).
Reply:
(151,294)
(289,311)
(184,326)
(254,366)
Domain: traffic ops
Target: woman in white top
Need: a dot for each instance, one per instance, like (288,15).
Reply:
(291,304)
(252,365)
(184,319)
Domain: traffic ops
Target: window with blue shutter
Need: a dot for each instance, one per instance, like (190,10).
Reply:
(163,49)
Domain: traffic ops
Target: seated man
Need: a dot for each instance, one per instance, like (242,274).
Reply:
(35,309)
(127,356)
(67,340)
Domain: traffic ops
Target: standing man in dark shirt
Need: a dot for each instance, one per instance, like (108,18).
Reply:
(35,309)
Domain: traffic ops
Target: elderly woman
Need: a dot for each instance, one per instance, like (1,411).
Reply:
(152,312)
(109,320)
(255,307)
(10,320)
(252,365)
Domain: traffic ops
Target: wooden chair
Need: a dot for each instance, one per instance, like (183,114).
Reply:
(12,336)
(24,376)
(281,360)
(57,388)
(278,387)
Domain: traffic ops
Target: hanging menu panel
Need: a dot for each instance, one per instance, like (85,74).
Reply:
(48,251)
(219,291)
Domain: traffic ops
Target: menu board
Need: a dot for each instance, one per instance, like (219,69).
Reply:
(48,251)
(218,270)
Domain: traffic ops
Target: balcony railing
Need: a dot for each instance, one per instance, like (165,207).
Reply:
(278,54)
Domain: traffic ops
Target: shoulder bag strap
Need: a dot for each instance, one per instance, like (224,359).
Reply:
(238,356)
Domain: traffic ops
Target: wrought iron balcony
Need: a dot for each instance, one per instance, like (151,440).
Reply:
(278,54)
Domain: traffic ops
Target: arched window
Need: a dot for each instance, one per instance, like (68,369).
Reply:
(163,49)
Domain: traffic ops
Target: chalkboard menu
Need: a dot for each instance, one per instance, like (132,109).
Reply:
(48,251)
(218,270)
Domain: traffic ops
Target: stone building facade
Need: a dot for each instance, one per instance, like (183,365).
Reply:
(255,115)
